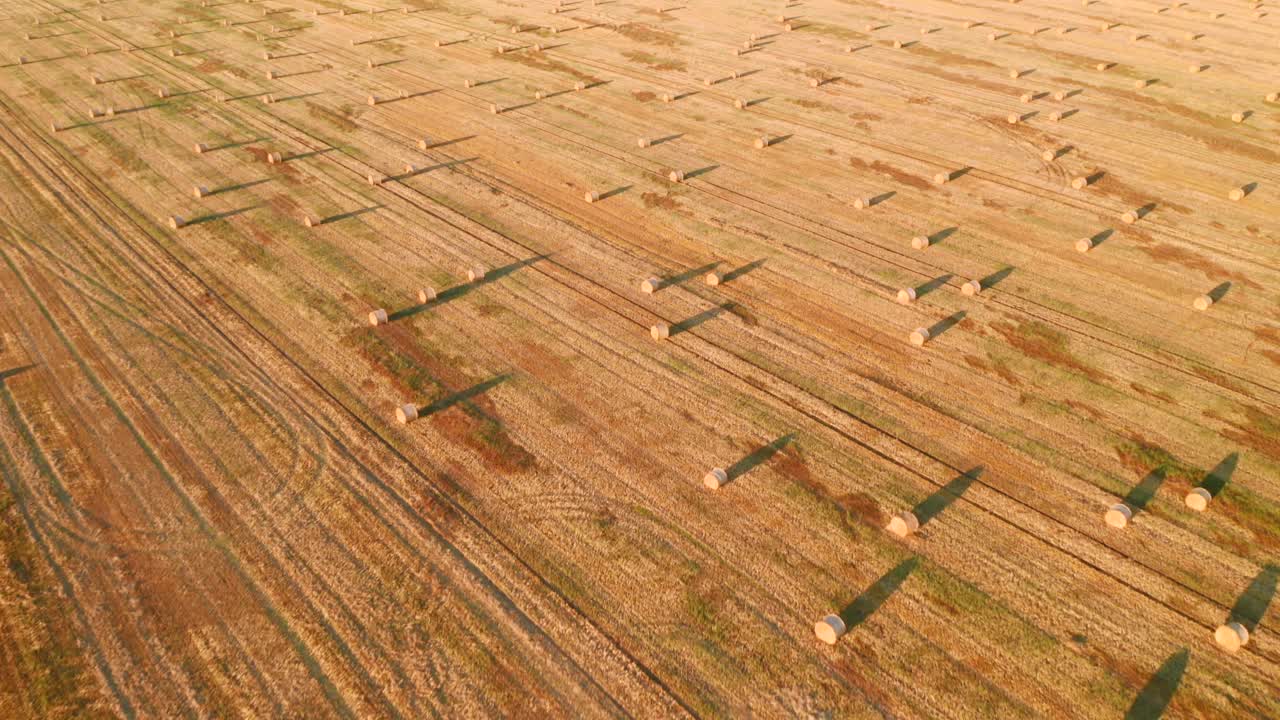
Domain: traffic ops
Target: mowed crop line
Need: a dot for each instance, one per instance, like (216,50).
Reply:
(422,522)
(329,156)
(1039,306)
(133,663)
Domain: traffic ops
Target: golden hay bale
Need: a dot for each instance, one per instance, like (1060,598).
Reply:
(1084,245)
(1231,636)
(1237,117)
(199,192)
(407,413)
(919,242)
(378,317)
(903,524)
(906,296)
(1080,182)
(762,142)
(715,478)
(676,176)
(591,196)
(475,273)
(971,288)
(649,286)
(919,336)
(942,178)
(1198,499)
(739,104)
(1129,217)
(1237,194)
(713,278)
(829,629)
(1118,516)
(310,221)
(1013,118)
(1202,303)
(644,142)
(659,331)
(426,295)
(176,221)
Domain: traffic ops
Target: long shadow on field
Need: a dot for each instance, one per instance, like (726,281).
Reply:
(1101,237)
(1220,291)
(946,324)
(758,457)
(438,166)
(943,234)
(945,495)
(444,143)
(1253,602)
(693,322)
(866,604)
(1140,496)
(615,191)
(6,374)
(222,215)
(996,277)
(688,275)
(1156,694)
(458,291)
(700,171)
(932,285)
(449,401)
(350,214)
(242,143)
(1220,475)
(736,273)
(239,186)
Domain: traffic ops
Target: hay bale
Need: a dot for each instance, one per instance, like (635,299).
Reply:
(942,178)
(378,317)
(372,100)
(1273,97)
(1198,499)
(493,108)
(1202,303)
(668,97)
(268,99)
(919,242)
(649,286)
(903,524)
(644,142)
(95,80)
(1055,116)
(375,179)
(906,296)
(199,192)
(406,413)
(1102,67)
(1084,245)
(579,86)
(1237,117)
(1059,95)
(1129,217)
(763,142)
(475,273)
(739,104)
(830,629)
(715,478)
(1013,118)
(426,295)
(897,44)
(1049,155)
(971,288)
(176,221)
(861,203)
(468,83)
(1026,97)
(1231,636)
(713,278)
(676,176)
(591,196)
(310,221)
(659,331)
(1118,516)
(1195,68)
(919,336)
(1080,182)
(1237,194)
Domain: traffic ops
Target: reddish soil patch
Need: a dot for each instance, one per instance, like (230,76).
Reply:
(1041,342)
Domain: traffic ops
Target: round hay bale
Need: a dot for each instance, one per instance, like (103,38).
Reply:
(713,278)
(715,478)
(176,221)
(475,273)
(162,93)
(829,629)
(659,331)
(1059,95)
(1140,84)
(406,413)
(426,295)
(1202,303)
(268,99)
(1014,74)
(1014,118)
(199,192)
(1080,182)
(1273,97)
(493,108)
(667,97)
(468,83)
(1129,217)
(271,74)
(310,221)
(591,196)
(903,524)
(375,179)
(814,82)
(942,178)
(378,317)
(1198,499)
(1102,67)
(919,242)
(1237,117)
(1084,245)
(1027,97)
(992,37)
(1231,636)
(649,286)
(95,80)
(372,100)
(1237,194)
(676,176)
(897,44)
(1049,156)
(1195,68)
(1118,516)
(861,203)
(762,142)
(906,296)
(971,288)
(579,86)
(1055,116)
(644,142)
(919,336)
(739,104)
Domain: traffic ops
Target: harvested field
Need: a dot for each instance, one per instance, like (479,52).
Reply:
(550,358)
